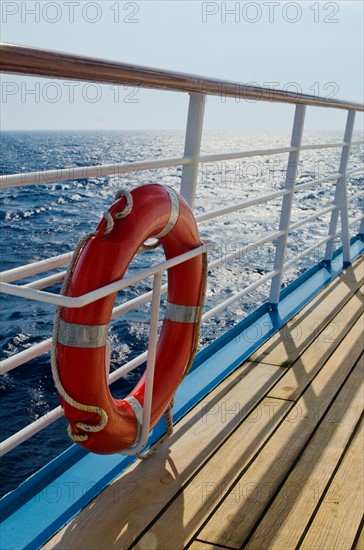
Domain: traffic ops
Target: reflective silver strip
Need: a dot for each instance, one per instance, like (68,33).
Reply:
(138,411)
(173,217)
(182,314)
(82,336)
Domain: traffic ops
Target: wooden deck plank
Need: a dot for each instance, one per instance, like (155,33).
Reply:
(289,514)
(238,513)
(336,522)
(293,383)
(119,514)
(284,347)
(211,483)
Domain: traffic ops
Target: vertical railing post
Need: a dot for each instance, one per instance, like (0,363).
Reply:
(361,228)
(291,174)
(149,373)
(341,198)
(193,137)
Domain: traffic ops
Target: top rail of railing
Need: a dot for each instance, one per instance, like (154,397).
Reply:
(29,61)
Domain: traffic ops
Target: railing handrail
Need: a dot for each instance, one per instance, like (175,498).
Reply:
(17,59)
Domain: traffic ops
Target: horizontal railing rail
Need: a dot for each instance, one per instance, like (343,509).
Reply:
(17,59)
(84,172)
(93,296)
(34,62)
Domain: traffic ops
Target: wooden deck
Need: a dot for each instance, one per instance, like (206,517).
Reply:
(272,458)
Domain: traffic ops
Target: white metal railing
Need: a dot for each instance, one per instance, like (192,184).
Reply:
(190,162)
(94,295)
(103,170)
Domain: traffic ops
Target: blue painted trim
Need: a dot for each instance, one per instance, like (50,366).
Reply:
(55,494)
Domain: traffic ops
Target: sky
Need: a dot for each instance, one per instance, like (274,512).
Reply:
(310,47)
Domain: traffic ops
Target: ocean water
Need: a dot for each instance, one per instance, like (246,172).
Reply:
(47,220)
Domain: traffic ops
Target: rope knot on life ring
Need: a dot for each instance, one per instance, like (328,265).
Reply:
(80,358)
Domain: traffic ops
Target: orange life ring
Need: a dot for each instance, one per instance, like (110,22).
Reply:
(81,340)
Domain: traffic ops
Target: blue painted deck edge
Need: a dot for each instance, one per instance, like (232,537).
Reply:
(46,501)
